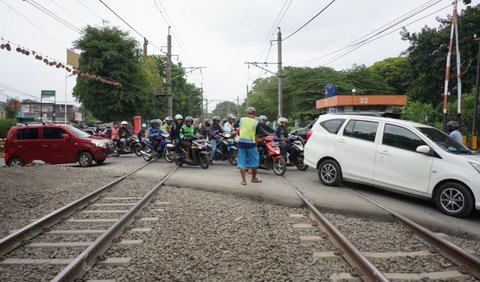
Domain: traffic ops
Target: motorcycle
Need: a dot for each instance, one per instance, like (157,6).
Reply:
(296,157)
(226,149)
(132,143)
(270,157)
(200,149)
(165,149)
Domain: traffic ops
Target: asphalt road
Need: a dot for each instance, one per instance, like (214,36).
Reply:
(224,178)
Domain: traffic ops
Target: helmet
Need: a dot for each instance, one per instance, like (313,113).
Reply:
(229,116)
(178,116)
(167,119)
(282,119)
(216,119)
(250,110)
(189,119)
(124,123)
(452,125)
(154,121)
(207,122)
(144,125)
(263,118)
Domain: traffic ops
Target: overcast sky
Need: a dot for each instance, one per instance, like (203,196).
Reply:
(220,35)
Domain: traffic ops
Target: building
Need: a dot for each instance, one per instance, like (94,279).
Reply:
(350,103)
(31,111)
(3,110)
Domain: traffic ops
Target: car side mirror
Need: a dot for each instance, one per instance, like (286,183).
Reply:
(66,136)
(424,149)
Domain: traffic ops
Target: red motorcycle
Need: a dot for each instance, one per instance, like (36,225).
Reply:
(270,157)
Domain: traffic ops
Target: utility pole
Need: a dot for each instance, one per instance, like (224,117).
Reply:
(475,107)
(238,106)
(280,73)
(206,107)
(247,96)
(145,46)
(453,30)
(168,72)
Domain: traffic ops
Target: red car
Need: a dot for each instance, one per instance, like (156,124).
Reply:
(54,144)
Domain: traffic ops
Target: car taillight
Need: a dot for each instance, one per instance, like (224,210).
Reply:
(309,133)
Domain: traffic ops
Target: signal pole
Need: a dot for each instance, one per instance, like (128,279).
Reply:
(453,30)
(168,72)
(475,107)
(280,73)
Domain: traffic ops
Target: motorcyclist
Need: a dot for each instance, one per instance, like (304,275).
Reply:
(267,130)
(143,132)
(282,134)
(124,134)
(454,131)
(155,134)
(228,126)
(187,131)
(167,123)
(199,127)
(175,131)
(213,134)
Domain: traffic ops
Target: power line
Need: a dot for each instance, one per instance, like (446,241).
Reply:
(310,20)
(15,90)
(392,24)
(72,14)
(93,12)
(374,39)
(34,25)
(53,15)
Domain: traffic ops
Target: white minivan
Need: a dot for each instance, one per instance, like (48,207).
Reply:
(398,155)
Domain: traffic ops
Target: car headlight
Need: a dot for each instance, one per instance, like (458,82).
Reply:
(99,144)
(475,166)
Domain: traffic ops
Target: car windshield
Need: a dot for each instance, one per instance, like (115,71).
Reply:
(444,140)
(78,132)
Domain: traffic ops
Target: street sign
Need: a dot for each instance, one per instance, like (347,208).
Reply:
(48,93)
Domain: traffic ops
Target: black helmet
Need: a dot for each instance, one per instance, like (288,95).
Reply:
(452,125)
(216,119)
(207,122)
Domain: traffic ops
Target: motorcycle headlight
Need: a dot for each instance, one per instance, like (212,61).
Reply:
(98,143)
(475,165)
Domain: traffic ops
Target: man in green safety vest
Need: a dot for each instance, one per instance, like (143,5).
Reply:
(248,156)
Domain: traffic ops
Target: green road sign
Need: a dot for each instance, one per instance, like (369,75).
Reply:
(48,93)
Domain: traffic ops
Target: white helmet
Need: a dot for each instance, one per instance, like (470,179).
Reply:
(144,125)
(282,119)
(124,123)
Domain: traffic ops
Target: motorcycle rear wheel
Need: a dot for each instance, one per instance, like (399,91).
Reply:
(137,148)
(204,161)
(279,166)
(232,158)
(178,161)
(300,164)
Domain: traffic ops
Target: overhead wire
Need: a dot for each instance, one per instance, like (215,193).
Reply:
(392,24)
(35,26)
(88,8)
(53,15)
(379,37)
(70,13)
(309,21)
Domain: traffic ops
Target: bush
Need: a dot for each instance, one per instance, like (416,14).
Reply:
(5,125)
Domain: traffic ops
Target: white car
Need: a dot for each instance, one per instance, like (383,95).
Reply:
(398,155)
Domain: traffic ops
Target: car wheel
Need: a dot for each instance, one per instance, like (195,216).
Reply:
(454,199)
(330,173)
(85,159)
(15,162)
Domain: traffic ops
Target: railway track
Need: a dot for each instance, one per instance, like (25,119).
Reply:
(86,228)
(413,252)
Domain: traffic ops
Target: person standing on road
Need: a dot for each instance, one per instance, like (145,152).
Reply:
(453,130)
(248,156)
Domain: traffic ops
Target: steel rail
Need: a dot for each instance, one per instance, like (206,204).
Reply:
(351,254)
(456,254)
(83,262)
(17,238)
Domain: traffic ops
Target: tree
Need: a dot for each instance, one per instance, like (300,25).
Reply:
(224,108)
(396,72)
(13,106)
(110,53)
(422,112)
